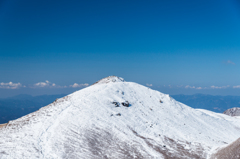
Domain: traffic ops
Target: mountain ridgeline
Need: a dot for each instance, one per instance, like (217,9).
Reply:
(18,106)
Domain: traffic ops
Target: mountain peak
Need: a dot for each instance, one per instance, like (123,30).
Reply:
(117,120)
(232,112)
(110,79)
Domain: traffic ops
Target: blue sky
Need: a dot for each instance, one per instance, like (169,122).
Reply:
(175,46)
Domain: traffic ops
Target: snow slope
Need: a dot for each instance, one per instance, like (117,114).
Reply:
(94,123)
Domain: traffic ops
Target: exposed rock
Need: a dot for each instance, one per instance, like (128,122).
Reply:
(232,112)
(126,104)
(116,104)
(110,79)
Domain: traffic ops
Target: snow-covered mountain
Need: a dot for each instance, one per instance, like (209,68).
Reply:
(117,119)
(232,112)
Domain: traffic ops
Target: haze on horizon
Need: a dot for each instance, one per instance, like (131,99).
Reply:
(176,47)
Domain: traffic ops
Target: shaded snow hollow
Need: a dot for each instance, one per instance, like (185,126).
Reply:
(95,123)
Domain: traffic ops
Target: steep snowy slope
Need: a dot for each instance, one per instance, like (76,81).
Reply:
(117,119)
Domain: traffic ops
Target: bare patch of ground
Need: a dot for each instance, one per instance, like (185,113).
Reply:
(97,143)
(2,125)
(176,149)
(232,151)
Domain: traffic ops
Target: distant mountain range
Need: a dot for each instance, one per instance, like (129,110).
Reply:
(20,105)
(213,103)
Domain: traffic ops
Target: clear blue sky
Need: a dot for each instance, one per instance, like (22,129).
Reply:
(184,44)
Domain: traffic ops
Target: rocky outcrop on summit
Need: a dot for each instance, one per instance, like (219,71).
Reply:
(232,112)
(110,79)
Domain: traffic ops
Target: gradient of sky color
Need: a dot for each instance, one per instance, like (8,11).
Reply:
(177,43)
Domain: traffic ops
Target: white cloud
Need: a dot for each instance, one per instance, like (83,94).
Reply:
(219,87)
(229,62)
(189,86)
(216,108)
(150,85)
(212,87)
(76,85)
(11,85)
(41,84)
(48,84)
(194,87)
(238,86)
(45,84)
(215,87)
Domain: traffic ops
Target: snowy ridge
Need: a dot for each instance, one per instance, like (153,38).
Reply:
(116,119)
